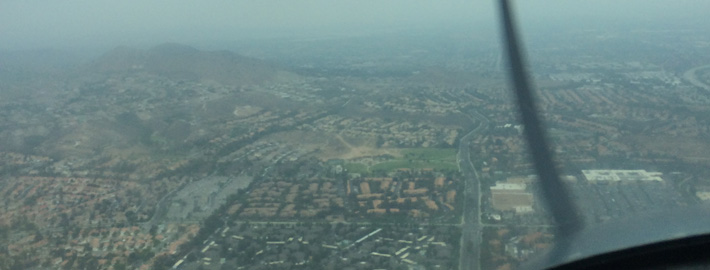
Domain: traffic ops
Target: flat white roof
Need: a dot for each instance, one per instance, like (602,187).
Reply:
(508,186)
(621,175)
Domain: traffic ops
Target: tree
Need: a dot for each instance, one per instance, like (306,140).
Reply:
(4,232)
(131,216)
(163,262)
(119,266)
(38,236)
(380,141)
(133,258)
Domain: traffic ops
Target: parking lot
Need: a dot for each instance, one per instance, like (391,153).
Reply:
(603,201)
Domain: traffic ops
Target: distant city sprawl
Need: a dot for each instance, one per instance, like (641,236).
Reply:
(401,151)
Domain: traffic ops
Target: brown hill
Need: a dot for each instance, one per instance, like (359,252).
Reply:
(181,62)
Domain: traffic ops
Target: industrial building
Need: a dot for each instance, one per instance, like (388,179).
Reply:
(621,175)
(511,197)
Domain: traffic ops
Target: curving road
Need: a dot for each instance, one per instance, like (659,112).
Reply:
(470,253)
(693,78)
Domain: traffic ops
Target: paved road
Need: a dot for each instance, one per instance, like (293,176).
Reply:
(693,78)
(471,226)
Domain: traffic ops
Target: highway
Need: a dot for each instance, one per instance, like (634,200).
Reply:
(471,226)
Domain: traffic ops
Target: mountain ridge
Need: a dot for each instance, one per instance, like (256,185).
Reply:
(181,62)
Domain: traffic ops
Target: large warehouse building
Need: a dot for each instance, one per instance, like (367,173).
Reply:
(621,175)
(512,196)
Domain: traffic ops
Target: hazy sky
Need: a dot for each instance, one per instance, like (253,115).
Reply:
(103,23)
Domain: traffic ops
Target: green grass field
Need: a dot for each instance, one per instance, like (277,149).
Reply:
(356,168)
(406,164)
(432,154)
(412,158)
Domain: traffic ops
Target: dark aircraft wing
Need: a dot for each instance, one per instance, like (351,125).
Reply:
(656,241)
